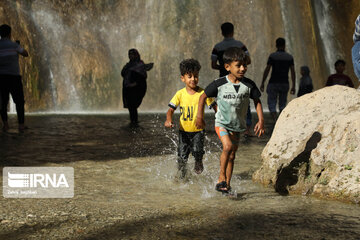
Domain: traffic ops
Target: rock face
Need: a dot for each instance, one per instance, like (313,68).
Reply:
(315,146)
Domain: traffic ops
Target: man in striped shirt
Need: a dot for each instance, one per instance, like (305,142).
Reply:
(10,79)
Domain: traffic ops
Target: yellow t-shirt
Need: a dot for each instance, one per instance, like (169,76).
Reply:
(188,108)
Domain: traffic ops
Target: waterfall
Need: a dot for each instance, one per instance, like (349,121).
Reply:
(55,41)
(326,30)
(53,89)
(12,106)
(288,29)
(78,48)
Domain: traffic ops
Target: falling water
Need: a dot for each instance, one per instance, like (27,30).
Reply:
(53,89)
(55,41)
(12,106)
(78,48)
(326,28)
(288,29)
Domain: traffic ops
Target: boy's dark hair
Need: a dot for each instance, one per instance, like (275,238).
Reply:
(189,66)
(340,61)
(235,54)
(5,30)
(280,42)
(227,28)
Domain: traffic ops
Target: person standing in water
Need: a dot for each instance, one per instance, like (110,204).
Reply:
(280,62)
(191,138)
(217,63)
(10,78)
(134,84)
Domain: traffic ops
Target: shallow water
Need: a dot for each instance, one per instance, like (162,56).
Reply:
(126,187)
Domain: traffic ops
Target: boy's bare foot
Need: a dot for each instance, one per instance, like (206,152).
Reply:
(182,170)
(199,167)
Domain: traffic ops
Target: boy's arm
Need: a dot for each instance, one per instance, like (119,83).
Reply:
(200,124)
(169,123)
(266,73)
(259,127)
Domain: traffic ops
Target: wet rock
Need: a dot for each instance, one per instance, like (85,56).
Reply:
(315,146)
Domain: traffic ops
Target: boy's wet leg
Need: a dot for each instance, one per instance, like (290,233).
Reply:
(198,151)
(199,167)
(183,153)
(182,167)
(235,138)
(224,157)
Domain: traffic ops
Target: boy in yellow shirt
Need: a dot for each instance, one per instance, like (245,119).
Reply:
(191,138)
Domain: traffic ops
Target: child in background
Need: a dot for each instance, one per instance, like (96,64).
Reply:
(191,138)
(339,78)
(232,93)
(305,85)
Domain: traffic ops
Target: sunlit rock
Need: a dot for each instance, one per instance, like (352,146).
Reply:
(315,146)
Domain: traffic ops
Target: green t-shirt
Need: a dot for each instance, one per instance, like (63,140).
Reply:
(233,101)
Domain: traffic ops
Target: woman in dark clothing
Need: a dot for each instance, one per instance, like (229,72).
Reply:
(134,84)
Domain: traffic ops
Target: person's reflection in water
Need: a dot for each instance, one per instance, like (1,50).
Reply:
(134,84)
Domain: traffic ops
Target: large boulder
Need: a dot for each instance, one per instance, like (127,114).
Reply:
(315,146)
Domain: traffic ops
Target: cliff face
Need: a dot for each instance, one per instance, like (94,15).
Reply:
(78,47)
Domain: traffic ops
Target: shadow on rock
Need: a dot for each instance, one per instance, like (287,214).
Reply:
(288,175)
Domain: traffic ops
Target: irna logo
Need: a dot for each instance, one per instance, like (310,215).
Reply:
(37,180)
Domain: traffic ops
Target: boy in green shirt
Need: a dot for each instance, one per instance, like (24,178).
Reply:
(232,93)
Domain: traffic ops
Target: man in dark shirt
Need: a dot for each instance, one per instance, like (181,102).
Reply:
(280,62)
(339,78)
(217,63)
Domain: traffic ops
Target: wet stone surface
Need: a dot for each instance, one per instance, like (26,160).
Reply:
(126,187)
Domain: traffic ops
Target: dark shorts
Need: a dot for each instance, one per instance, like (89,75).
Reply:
(191,142)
